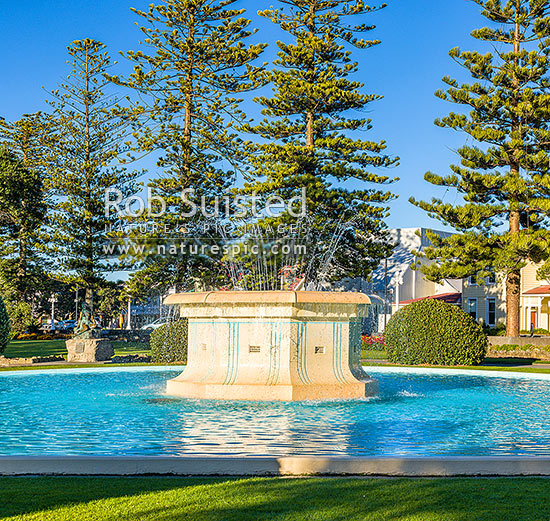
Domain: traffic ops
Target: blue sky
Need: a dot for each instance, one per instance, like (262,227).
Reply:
(406,69)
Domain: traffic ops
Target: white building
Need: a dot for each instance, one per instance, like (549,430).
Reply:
(396,283)
(400,283)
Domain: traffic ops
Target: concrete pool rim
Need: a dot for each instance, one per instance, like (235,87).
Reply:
(248,466)
(386,369)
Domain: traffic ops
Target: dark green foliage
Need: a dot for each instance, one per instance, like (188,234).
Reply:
(436,333)
(536,331)
(169,343)
(498,330)
(22,214)
(91,144)
(21,318)
(5,328)
(193,67)
(313,135)
(110,302)
(503,175)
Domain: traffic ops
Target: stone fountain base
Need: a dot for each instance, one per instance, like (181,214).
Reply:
(273,345)
(287,393)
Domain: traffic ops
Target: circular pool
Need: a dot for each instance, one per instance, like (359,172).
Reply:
(418,412)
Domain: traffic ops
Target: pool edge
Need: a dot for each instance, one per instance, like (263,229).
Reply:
(275,466)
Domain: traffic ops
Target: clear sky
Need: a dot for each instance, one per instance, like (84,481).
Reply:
(406,69)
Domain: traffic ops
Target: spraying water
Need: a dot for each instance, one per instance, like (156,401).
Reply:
(264,260)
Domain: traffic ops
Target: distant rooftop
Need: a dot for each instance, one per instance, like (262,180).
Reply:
(407,241)
(541,290)
(449,298)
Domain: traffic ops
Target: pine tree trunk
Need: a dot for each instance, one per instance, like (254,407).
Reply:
(310,117)
(513,279)
(188,103)
(310,138)
(187,134)
(513,288)
(513,303)
(22,270)
(89,297)
(89,248)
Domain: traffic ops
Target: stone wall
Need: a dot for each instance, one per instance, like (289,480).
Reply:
(538,341)
(10,362)
(519,347)
(535,353)
(131,359)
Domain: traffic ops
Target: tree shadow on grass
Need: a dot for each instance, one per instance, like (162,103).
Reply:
(311,499)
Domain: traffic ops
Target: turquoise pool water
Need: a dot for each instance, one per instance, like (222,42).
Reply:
(124,412)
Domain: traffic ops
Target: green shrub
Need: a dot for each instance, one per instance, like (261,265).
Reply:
(169,343)
(436,333)
(498,330)
(39,336)
(537,331)
(5,328)
(21,318)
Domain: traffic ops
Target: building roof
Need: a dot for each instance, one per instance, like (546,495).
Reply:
(402,257)
(541,290)
(450,298)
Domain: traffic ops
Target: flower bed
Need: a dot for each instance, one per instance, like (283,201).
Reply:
(376,342)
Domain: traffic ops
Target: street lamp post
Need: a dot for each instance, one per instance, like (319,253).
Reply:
(53,300)
(129,324)
(76,304)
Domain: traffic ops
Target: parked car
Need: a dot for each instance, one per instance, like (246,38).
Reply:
(65,326)
(157,323)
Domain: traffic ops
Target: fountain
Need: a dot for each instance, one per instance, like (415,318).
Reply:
(273,345)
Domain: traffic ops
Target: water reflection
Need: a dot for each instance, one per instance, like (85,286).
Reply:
(121,413)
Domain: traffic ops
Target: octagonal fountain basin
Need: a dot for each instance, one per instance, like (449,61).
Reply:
(126,412)
(273,345)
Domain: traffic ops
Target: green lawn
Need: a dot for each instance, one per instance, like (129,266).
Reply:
(30,348)
(216,499)
(131,348)
(373,354)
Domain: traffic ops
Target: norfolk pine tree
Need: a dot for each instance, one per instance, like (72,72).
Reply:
(310,139)
(91,142)
(30,138)
(504,178)
(25,200)
(22,213)
(188,85)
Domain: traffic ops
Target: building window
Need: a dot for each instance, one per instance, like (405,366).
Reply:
(491,311)
(471,308)
(491,279)
(472,280)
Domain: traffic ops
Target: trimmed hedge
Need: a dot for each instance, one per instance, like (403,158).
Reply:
(169,343)
(433,332)
(5,328)
(40,336)
(536,331)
